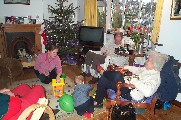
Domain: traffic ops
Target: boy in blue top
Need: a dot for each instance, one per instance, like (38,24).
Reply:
(83,103)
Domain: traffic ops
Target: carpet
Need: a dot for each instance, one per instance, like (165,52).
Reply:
(54,101)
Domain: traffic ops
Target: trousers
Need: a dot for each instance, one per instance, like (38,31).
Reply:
(108,81)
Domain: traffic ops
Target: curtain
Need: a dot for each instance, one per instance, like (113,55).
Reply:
(157,21)
(90,12)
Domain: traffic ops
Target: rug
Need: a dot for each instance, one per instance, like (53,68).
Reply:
(54,101)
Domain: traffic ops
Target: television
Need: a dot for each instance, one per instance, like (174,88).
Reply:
(91,36)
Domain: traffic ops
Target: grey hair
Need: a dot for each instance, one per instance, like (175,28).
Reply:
(158,59)
(78,79)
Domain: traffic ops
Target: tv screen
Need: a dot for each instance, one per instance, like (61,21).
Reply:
(89,35)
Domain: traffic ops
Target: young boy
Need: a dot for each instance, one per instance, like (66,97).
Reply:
(83,103)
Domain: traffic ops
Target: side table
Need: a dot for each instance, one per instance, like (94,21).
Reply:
(132,57)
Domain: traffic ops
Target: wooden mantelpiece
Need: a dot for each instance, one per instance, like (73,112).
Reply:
(19,28)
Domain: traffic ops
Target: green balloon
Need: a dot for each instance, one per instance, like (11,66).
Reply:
(66,103)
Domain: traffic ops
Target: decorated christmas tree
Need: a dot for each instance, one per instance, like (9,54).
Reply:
(61,28)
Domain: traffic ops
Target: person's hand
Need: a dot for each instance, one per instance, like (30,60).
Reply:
(4,90)
(7,92)
(46,73)
(58,79)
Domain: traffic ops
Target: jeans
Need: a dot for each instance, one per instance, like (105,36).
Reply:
(88,106)
(46,79)
(108,81)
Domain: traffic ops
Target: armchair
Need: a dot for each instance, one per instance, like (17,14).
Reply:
(167,91)
(149,105)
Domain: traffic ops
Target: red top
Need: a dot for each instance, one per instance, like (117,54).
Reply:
(45,65)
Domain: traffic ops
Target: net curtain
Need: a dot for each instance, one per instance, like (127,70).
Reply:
(90,13)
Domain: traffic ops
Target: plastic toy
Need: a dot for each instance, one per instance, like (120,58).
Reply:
(94,94)
(166,105)
(63,75)
(87,115)
(58,88)
(66,103)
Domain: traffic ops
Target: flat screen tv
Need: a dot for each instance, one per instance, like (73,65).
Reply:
(89,35)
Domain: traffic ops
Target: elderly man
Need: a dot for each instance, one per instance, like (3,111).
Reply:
(106,56)
(146,83)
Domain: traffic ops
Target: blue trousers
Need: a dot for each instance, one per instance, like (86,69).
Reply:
(88,106)
(108,81)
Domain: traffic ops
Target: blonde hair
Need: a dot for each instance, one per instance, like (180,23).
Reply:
(79,79)
(158,59)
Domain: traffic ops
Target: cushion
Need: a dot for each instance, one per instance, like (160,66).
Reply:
(170,81)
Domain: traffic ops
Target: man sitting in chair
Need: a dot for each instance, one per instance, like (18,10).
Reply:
(105,57)
(145,80)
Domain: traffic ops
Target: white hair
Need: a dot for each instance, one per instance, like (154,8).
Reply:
(158,59)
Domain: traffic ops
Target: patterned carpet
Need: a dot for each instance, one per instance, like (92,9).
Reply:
(53,101)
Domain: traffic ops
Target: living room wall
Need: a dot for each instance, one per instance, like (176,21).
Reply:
(36,8)
(170,35)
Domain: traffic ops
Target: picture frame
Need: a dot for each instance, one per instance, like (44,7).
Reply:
(175,10)
(25,2)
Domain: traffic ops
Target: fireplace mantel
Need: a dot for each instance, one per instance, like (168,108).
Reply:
(19,28)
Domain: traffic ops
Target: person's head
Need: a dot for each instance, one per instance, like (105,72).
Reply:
(118,37)
(52,50)
(155,61)
(79,79)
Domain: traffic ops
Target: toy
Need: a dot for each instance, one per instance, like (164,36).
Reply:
(166,105)
(94,94)
(63,75)
(66,103)
(58,88)
(87,115)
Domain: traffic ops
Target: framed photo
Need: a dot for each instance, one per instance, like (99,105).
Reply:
(25,2)
(175,10)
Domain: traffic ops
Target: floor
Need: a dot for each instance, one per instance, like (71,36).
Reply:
(173,113)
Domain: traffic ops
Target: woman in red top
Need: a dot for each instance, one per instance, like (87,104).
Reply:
(14,102)
(48,65)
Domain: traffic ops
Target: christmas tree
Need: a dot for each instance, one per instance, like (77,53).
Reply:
(61,29)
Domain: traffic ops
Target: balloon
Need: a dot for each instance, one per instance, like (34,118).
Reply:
(66,103)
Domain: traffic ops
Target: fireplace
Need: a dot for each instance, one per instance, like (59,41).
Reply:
(20,37)
(17,42)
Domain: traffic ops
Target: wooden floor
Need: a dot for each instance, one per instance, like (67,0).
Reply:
(173,113)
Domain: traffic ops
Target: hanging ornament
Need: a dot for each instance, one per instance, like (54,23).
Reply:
(44,37)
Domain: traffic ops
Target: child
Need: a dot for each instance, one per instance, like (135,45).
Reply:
(83,103)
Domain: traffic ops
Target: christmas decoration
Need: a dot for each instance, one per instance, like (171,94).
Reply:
(61,28)
(44,37)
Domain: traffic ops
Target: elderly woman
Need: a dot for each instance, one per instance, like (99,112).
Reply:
(145,84)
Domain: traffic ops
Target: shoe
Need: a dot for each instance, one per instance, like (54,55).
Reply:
(93,81)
